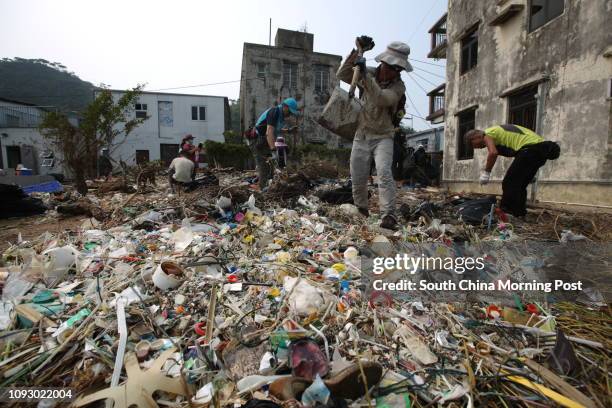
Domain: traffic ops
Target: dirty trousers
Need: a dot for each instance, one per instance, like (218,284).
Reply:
(520,173)
(362,153)
(264,170)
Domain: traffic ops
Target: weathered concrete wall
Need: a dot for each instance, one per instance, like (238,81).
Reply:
(258,94)
(568,53)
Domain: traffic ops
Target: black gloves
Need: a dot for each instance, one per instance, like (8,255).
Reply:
(366,43)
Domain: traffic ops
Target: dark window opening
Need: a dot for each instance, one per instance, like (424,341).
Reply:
(13,156)
(469,51)
(467,121)
(167,152)
(523,108)
(542,11)
(142,156)
(198,113)
(141,110)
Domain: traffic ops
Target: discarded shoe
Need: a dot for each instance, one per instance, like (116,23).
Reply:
(389,222)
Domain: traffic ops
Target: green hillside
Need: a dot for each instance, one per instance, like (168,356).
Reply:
(43,83)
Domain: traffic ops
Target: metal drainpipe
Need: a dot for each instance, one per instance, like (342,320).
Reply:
(541,99)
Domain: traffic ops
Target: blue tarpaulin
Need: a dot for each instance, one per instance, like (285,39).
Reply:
(47,187)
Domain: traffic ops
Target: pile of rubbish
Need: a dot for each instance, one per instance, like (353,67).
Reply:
(227,297)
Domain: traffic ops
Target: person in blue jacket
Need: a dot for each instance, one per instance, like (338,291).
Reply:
(268,127)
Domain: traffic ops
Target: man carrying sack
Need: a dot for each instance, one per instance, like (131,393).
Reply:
(381,90)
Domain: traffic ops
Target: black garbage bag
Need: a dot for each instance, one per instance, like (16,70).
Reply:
(342,195)
(16,203)
(474,211)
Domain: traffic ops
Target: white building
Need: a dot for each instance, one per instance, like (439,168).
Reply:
(170,117)
(20,140)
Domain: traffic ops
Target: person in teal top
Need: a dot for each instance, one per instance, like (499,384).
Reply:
(530,152)
(269,125)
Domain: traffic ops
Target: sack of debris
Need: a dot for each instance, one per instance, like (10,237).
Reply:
(340,114)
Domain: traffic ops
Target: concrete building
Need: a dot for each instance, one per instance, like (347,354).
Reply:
(289,68)
(20,140)
(431,139)
(170,117)
(543,64)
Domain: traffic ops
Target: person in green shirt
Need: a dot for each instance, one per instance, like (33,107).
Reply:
(530,152)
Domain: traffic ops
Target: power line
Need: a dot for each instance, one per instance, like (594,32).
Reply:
(425,79)
(410,114)
(418,84)
(423,20)
(417,110)
(428,63)
(430,73)
(197,86)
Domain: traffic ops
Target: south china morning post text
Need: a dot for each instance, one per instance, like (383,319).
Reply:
(410,273)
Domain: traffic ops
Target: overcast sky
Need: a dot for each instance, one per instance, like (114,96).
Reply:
(168,44)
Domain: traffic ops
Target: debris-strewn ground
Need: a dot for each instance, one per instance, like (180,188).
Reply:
(229,296)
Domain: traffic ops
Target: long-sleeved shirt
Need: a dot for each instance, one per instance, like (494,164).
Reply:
(379,104)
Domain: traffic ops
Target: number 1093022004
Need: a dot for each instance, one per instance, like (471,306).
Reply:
(29,394)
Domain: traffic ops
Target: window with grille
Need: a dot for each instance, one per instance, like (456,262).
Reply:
(469,51)
(543,11)
(466,121)
(290,75)
(141,110)
(522,108)
(321,78)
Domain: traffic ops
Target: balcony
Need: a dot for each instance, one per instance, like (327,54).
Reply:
(438,39)
(436,105)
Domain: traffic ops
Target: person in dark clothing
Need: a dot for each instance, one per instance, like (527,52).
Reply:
(269,126)
(530,152)
(105,167)
(418,168)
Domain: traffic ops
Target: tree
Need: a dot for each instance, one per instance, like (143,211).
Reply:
(105,123)
(235,115)
(231,136)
